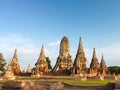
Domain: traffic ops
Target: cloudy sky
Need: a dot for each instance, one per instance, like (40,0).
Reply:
(26,24)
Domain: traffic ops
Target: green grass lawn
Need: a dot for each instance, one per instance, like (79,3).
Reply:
(89,82)
(65,79)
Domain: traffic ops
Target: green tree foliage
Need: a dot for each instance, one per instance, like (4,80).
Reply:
(49,63)
(2,63)
(114,69)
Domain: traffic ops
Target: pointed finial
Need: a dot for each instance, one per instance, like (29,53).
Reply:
(15,58)
(102,57)
(42,54)
(80,47)
(80,39)
(103,64)
(15,53)
(80,42)
(94,53)
(42,50)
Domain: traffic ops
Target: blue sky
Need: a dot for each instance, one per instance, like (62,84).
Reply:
(27,24)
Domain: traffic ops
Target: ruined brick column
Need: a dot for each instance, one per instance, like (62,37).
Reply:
(64,60)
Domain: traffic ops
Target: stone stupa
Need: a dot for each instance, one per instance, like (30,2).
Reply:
(103,66)
(9,72)
(15,65)
(64,60)
(94,65)
(28,69)
(41,64)
(80,62)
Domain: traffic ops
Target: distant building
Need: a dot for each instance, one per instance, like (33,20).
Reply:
(29,69)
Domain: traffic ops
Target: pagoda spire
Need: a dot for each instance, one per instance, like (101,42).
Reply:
(28,69)
(94,53)
(9,72)
(15,57)
(94,65)
(14,63)
(102,61)
(15,53)
(80,60)
(41,64)
(80,47)
(42,56)
(102,58)
(42,53)
(103,64)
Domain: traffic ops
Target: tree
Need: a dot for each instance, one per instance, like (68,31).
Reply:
(2,63)
(114,69)
(49,63)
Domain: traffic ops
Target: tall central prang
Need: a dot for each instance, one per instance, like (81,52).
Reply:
(64,60)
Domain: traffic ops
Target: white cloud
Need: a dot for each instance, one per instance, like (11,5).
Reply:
(54,43)
(13,38)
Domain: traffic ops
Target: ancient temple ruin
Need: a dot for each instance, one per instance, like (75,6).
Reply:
(103,67)
(9,72)
(41,64)
(80,62)
(64,64)
(15,65)
(94,65)
(64,60)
